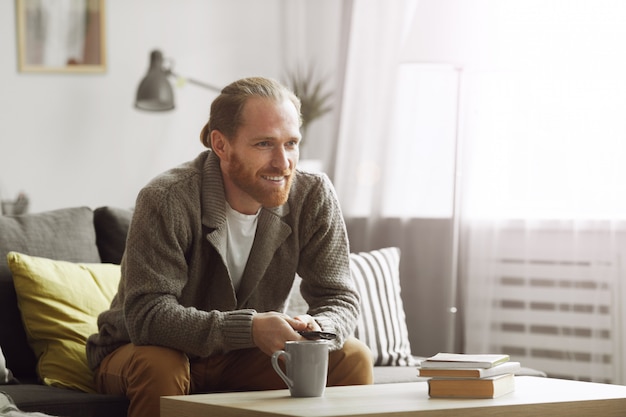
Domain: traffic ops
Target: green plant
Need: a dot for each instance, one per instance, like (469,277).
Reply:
(310,90)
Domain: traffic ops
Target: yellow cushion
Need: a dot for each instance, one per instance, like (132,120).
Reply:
(60,302)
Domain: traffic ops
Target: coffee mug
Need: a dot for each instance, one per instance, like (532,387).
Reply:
(306,363)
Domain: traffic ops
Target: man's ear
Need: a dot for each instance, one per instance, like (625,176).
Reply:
(219,144)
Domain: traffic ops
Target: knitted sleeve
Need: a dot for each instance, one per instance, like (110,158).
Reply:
(327,285)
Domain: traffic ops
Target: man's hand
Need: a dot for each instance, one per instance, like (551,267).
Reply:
(311,324)
(271,330)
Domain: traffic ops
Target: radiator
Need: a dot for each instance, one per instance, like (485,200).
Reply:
(553,303)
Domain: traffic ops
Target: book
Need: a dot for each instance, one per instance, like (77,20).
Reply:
(491,387)
(463,360)
(503,368)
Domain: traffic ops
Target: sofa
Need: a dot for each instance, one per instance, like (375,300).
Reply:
(91,242)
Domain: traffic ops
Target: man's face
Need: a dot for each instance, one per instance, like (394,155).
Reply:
(259,162)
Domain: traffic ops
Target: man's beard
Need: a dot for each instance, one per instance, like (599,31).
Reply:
(251,183)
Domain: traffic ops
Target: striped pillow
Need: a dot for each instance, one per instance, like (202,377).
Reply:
(381,325)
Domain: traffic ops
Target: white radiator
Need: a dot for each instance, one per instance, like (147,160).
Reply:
(553,304)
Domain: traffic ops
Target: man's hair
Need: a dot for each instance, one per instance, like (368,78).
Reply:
(227,109)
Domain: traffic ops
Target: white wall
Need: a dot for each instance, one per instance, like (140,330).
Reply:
(76,139)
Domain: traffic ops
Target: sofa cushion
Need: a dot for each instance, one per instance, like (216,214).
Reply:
(111,226)
(65,402)
(66,234)
(60,302)
(382,323)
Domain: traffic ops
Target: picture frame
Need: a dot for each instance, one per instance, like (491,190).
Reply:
(61,36)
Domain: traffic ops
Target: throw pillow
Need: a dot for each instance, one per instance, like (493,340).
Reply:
(66,234)
(59,302)
(382,323)
(111,226)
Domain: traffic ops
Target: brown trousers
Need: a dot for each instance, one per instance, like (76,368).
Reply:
(145,373)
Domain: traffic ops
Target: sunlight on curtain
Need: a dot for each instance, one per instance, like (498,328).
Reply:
(397,137)
(394,164)
(368,104)
(544,143)
(545,147)
(420,162)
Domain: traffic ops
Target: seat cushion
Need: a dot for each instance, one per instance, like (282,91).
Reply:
(65,402)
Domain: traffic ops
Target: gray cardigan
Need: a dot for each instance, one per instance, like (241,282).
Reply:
(175,289)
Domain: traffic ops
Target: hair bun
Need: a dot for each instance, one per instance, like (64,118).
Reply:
(204,136)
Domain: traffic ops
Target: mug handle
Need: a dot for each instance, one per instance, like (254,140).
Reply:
(279,371)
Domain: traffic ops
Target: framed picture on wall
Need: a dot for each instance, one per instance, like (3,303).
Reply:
(61,35)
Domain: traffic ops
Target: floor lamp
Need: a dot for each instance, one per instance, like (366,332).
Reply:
(454,344)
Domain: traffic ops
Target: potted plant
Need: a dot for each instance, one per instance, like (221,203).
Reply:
(314,98)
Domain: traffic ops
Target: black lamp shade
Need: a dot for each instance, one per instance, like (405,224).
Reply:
(155,92)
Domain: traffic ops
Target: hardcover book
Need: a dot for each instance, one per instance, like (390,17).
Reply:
(503,368)
(491,387)
(463,360)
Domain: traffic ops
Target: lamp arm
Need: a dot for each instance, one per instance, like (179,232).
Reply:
(196,82)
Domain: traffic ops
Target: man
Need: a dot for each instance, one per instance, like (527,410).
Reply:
(211,255)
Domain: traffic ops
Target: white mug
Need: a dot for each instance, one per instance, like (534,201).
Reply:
(306,364)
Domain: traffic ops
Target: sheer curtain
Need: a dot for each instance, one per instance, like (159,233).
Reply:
(395,161)
(543,172)
(543,151)
(543,220)
(375,41)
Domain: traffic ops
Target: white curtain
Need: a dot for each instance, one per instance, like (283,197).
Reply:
(542,141)
(394,163)
(544,145)
(375,42)
(543,219)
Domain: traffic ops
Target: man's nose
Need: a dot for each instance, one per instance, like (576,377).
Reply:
(281,158)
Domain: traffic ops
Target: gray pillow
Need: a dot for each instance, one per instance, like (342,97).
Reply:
(65,235)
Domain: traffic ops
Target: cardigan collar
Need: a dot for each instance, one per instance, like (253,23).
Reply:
(271,232)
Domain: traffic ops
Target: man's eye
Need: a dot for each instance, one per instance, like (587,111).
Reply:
(263,144)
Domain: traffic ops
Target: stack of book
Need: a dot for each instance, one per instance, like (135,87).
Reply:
(455,375)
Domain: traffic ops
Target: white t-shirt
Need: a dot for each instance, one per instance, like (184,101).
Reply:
(241,231)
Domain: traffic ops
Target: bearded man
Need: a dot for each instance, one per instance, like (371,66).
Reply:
(211,255)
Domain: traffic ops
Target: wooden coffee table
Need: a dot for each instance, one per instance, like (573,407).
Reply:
(533,396)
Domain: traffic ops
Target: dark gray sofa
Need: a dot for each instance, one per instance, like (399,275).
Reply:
(71,235)
(77,235)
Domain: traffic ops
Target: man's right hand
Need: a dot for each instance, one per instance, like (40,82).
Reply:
(271,330)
